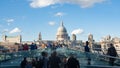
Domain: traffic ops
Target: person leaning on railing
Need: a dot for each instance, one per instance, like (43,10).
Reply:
(112,52)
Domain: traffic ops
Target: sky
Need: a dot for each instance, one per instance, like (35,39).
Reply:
(80,17)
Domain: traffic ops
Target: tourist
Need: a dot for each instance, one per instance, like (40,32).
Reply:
(87,52)
(112,52)
(20,47)
(54,60)
(72,62)
(43,45)
(43,61)
(23,63)
(36,47)
(49,45)
(33,46)
(25,46)
(29,63)
(34,62)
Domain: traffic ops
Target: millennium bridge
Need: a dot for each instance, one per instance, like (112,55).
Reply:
(98,58)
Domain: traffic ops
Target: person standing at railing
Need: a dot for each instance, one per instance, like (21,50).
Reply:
(112,52)
(87,52)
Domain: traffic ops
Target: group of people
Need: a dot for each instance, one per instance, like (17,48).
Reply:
(33,46)
(53,61)
(25,47)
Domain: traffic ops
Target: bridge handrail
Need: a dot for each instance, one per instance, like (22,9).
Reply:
(104,55)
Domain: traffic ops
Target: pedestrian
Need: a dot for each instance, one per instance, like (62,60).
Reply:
(23,63)
(29,63)
(72,62)
(87,53)
(43,61)
(54,60)
(112,52)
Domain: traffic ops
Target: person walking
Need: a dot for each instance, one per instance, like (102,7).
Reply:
(54,60)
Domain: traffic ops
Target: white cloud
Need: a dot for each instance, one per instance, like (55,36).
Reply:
(77,31)
(53,7)
(5,30)
(82,3)
(59,14)
(52,23)
(15,30)
(9,21)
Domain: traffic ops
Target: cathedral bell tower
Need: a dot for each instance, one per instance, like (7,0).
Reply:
(39,36)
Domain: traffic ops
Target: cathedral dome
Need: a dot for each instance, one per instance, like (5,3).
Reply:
(62,33)
(61,30)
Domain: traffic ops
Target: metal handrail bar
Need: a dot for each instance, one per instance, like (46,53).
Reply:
(104,49)
(103,55)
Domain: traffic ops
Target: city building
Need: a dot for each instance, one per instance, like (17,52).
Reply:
(39,36)
(91,40)
(73,37)
(107,40)
(11,39)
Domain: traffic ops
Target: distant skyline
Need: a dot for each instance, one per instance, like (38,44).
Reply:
(81,17)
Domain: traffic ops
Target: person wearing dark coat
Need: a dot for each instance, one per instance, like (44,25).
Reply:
(54,61)
(112,52)
(72,62)
(23,63)
(87,53)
